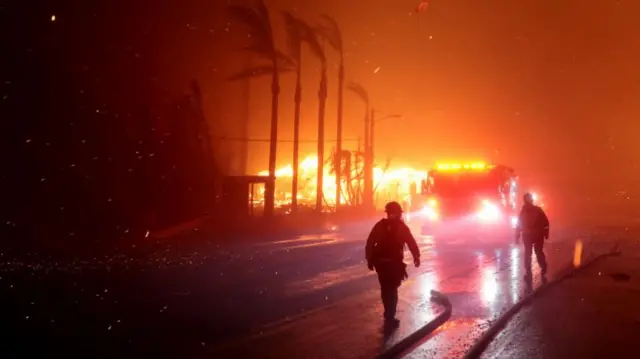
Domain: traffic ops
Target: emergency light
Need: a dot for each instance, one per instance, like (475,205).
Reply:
(460,166)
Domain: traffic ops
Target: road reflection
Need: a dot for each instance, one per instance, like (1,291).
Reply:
(514,282)
(305,241)
(480,277)
(425,241)
(490,287)
(427,282)
(425,309)
(329,279)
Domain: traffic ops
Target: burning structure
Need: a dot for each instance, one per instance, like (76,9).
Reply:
(390,183)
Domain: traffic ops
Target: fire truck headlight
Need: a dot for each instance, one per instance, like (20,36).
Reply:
(489,212)
(430,213)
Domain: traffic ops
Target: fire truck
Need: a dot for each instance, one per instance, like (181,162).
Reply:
(468,197)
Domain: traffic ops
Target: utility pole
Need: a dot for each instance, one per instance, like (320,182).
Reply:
(372,135)
(370,155)
(368,162)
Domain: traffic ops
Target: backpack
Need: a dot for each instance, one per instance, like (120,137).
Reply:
(388,243)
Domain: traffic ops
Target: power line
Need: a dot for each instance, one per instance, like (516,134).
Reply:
(245,139)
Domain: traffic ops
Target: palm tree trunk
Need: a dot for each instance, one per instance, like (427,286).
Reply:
(296,140)
(322,95)
(338,165)
(246,117)
(270,188)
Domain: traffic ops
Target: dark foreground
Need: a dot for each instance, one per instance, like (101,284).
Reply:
(304,297)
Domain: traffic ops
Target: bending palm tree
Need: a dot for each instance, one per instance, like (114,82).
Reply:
(262,42)
(298,32)
(322,102)
(361,92)
(295,49)
(331,32)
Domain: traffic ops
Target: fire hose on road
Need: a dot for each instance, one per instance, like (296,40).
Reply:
(402,346)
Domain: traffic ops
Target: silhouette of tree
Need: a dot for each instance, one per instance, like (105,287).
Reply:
(263,43)
(362,93)
(298,33)
(318,51)
(330,30)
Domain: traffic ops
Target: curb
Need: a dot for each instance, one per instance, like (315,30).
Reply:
(400,347)
(481,344)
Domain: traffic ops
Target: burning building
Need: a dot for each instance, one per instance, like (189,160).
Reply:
(390,183)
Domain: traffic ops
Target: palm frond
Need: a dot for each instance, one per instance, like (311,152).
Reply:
(358,90)
(285,62)
(310,36)
(256,72)
(259,26)
(264,13)
(294,38)
(330,30)
(260,48)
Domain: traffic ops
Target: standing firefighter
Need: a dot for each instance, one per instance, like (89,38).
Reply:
(533,225)
(385,254)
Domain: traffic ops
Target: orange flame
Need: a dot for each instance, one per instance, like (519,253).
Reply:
(392,184)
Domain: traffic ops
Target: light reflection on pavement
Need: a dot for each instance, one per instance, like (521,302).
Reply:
(323,287)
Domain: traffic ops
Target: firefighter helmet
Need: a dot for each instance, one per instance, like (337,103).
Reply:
(393,208)
(528,198)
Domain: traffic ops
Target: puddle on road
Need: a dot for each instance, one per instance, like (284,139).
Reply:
(307,241)
(328,279)
(451,340)
(318,243)
(303,238)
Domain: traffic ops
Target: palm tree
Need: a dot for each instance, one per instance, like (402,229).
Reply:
(294,38)
(298,32)
(208,165)
(331,31)
(322,102)
(361,92)
(263,43)
(204,133)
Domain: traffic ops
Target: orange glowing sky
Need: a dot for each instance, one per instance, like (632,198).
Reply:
(474,80)
(548,87)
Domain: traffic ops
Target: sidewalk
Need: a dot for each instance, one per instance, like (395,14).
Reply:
(324,333)
(592,315)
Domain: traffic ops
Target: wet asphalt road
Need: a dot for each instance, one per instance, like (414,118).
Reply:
(590,315)
(482,277)
(308,296)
